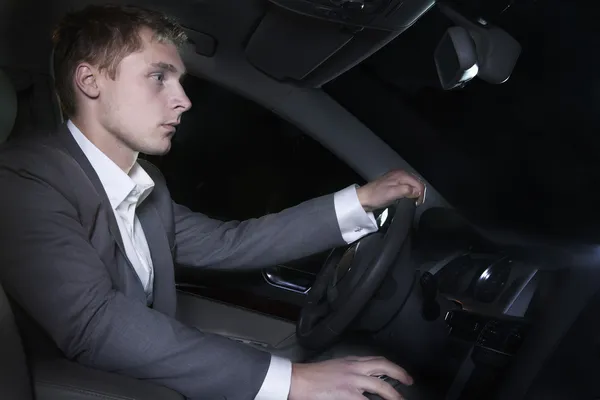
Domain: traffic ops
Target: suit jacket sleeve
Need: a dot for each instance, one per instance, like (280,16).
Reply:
(50,269)
(296,232)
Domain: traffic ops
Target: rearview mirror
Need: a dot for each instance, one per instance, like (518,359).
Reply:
(496,51)
(456,58)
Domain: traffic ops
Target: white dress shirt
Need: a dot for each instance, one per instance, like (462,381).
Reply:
(127,191)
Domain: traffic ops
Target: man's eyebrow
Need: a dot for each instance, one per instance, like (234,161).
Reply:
(168,67)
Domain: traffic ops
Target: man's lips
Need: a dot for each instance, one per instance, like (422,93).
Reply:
(171,127)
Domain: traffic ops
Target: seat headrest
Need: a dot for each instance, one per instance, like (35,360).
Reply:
(8,106)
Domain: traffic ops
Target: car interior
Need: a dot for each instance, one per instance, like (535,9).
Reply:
(470,312)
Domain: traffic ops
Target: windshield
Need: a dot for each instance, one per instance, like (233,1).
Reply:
(522,155)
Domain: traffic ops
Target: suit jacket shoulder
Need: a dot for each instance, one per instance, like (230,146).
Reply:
(42,159)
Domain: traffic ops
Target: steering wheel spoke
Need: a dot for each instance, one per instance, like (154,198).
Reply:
(314,313)
(351,277)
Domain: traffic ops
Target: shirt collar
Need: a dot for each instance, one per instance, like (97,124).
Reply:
(119,186)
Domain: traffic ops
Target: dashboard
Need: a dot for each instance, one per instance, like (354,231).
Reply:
(475,274)
(471,309)
(485,283)
(492,294)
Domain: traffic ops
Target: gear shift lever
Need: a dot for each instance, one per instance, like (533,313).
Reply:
(395,384)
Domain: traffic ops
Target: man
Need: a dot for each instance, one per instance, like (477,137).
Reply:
(90,233)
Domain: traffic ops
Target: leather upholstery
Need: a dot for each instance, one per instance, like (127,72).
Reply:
(59,379)
(14,377)
(8,106)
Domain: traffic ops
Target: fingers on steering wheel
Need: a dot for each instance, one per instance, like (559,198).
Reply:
(419,187)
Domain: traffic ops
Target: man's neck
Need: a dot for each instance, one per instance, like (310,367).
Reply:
(107,143)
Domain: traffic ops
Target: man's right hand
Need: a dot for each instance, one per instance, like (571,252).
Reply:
(346,379)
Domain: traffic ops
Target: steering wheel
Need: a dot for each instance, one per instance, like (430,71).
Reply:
(352,275)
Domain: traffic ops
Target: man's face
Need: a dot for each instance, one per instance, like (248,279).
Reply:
(144,102)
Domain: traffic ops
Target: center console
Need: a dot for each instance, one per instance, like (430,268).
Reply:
(492,294)
(498,337)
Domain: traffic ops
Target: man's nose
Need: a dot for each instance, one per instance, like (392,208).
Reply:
(182,102)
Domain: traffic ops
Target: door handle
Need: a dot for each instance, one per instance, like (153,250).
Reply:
(288,279)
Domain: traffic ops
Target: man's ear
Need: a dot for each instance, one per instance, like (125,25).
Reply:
(86,80)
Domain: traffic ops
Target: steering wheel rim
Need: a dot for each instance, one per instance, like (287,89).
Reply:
(330,308)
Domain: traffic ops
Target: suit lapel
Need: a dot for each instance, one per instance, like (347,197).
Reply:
(164,280)
(162,260)
(75,151)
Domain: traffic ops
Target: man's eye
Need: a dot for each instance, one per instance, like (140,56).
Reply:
(159,77)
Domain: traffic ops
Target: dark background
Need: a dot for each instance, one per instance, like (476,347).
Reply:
(517,157)
(234,159)
(520,156)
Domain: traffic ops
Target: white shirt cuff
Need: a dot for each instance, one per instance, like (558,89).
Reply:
(354,221)
(278,381)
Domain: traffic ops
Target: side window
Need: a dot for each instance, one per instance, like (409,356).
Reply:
(233,159)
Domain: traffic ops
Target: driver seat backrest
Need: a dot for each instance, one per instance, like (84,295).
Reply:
(15,381)
(8,108)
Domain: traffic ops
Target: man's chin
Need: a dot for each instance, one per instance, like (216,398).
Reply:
(158,150)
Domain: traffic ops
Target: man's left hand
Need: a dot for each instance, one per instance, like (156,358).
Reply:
(390,187)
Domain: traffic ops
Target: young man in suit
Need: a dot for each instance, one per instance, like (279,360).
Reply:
(90,233)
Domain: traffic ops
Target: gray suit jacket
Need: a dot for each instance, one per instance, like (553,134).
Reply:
(63,262)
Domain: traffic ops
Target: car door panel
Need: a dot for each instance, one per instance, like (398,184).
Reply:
(254,290)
